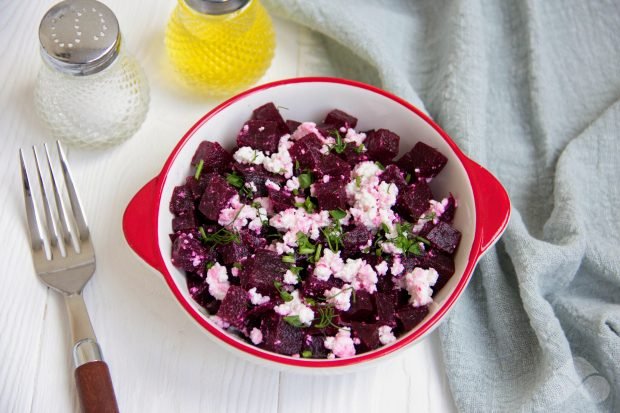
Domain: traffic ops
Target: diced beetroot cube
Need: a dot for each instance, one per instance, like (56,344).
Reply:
(281,337)
(216,158)
(385,308)
(382,145)
(280,200)
(269,112)
(315,288)
(259,134)
(216,196)
(199,291)
(262,270)
(340,119)
(197,187)
(385,284)
(361,308)
(333,166)
(413,200)
(393,175)
(234,307)
(292,125)
(182,202)
(423,161)
(184,222)
(315,344)
(450,210)
(258,175)
(444,237)
(232,252)
(252,240)
(410,316)
(442,263)
(368,335)
(352,156)
(189,253)
(355,239)
(306,151)
(326,129)
(331,194)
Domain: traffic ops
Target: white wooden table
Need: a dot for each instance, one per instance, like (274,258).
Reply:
(159,359)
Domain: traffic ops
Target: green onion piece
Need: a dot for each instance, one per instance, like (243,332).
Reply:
(306,354)
(380,165)
(317,254)
(203,234)
(288,259)
(201,164)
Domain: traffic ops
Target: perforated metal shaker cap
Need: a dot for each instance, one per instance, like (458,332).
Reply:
(216,7)
(79,37)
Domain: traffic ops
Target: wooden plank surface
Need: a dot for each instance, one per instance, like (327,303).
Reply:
(159,360)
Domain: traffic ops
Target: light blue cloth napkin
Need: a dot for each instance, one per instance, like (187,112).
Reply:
(531,90)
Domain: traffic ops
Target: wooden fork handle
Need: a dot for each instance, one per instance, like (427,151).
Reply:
(94,387)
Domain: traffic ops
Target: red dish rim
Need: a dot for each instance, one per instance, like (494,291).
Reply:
(474,255)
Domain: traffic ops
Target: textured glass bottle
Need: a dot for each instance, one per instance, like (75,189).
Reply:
(89,91)
(220,46)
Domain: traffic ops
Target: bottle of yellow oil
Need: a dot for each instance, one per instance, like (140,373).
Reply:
(220,46)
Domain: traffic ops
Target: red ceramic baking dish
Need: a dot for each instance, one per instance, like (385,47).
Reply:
(482,214)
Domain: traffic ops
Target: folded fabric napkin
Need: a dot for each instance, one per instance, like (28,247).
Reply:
(529,89)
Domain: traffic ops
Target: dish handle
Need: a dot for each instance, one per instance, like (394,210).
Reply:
(492,205)
(140,225)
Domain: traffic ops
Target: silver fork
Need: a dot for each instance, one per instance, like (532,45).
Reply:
(64,259)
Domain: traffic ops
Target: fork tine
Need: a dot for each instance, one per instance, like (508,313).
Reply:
(67,228)
(76,204)
(37,237)
(52,225)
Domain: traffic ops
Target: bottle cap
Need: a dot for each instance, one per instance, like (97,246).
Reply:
(216,7)
(79,37)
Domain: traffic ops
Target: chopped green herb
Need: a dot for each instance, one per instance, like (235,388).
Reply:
(294,321)
(358,182)
(221,236)
(305,246)
(286,296)
(340,145)
(338,214)
(257,205)
(296,270)
(210,265)
(297,165)
(408,178)
(201,164)
(295,191)
(430,217)
(380,165)
(306,354)
(308,205)
(288,259)
(305,180)
(326,316)
(237,265)
(310,301)
(235,180)
(360,148)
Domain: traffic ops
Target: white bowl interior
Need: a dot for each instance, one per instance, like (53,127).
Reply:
(311,101)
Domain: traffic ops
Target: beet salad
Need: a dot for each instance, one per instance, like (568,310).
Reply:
(311,239)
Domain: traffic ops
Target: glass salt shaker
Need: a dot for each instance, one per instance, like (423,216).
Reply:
(89,91)
(220,46)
